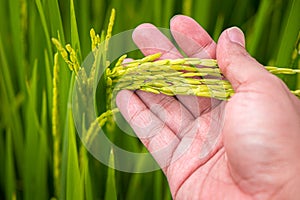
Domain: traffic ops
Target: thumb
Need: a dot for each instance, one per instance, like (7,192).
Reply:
(235,62)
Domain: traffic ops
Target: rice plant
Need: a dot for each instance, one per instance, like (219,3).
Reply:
(43,45)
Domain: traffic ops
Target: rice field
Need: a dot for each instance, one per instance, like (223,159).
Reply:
(41,153)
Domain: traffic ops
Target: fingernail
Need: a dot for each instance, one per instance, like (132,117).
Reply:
(236,36)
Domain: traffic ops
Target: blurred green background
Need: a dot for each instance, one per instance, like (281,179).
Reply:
(27,169)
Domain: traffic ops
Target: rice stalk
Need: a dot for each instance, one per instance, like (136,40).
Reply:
(184,76)
(68,54)
(73,59)
(109,89)
(95,39)
(110,27)
(85,81)
(296,92)
(96,125)
(55,127)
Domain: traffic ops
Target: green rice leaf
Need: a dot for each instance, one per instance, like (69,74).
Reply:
(10,185)
(202,12)
(55,19)
(111,190)
(262,18)
(44,25)
(12,118)
(32,140)
(287,43)
(74,31)
(289,34)
(87,182)
(15,15)
(65,143)
(41,168)
(158,185)
(73,186)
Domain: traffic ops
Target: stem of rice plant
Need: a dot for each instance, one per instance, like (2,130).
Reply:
(96,125)
(55,127)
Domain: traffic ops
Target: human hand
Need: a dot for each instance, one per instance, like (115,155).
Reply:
(244,148)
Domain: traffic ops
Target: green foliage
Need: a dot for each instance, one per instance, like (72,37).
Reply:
(110,190)
(26,87)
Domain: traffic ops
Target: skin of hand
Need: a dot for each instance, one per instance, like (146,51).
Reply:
(256,155)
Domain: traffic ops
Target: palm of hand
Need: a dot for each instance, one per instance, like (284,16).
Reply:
(210,156)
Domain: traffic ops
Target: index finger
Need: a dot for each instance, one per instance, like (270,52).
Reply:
(150,40)
(192,38)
